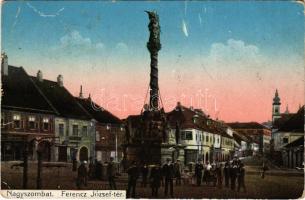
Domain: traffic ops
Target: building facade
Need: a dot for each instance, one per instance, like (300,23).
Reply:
(27,118)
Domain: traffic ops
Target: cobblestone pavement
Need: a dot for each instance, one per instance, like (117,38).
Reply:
(277,185)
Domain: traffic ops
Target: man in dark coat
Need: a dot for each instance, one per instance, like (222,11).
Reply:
(198,172)
(168,171)
(219,175)
(233,174)
(98,170)
(226,172)
(111,174)
(144,171)
(178,171)
(155,180)
(82,175)
(241,177)
(133,174)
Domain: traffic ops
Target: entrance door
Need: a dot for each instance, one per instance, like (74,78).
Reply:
(83,154)
(45,148)
(62,154)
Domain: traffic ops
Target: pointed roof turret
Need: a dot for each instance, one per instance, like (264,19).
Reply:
(276,99)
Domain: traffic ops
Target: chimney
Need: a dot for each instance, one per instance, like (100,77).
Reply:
(39,76)
(4,64)
(81,92)
(60,80)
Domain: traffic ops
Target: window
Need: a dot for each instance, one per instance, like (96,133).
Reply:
(75,130)
(207,138)
(16,119)
(186,135)
(99,155)
(32,122)
(45,124)
(97,136)
(285,140)
(85,131)
(61,129)
(276,110)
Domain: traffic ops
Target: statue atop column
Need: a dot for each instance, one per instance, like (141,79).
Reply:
(153,46)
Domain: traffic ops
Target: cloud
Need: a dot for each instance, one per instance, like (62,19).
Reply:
(234,58)
(42,14)
(75,40)
(121,46)
(184,28)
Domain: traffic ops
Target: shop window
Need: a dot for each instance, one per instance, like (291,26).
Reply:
(97,136)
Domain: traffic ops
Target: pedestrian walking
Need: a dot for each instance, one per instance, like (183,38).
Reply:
(111,174)
(155,180)
(264,169)
(82,175)
(226,171)
(98,170)
(219,175)
(133,174)
(241,177)
(144,172)
(233,174)
(198,172)
(178,172)
(91,169)
(168,171)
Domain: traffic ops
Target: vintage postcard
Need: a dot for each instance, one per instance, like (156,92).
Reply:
(152,99)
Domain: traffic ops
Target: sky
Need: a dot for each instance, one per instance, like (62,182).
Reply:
(227,58)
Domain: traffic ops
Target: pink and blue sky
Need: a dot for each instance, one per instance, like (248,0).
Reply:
(226,58)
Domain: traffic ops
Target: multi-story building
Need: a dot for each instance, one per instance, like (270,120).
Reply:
(260,134)
(73,125)
(202,137)
(109,131)
(27,118)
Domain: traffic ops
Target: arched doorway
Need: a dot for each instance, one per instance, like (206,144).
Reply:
(45,148)
(83,154)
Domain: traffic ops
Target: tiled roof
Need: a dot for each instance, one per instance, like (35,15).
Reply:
(185,118)
(61,99)
(295,123)
(98,113)
(246,125)
(20,93)
(281,121)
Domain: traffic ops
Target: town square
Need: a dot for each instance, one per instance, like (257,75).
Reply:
(157,99)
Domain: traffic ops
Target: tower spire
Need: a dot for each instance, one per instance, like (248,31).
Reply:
(81,92)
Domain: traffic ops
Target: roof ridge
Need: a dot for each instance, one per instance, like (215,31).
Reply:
(40,92)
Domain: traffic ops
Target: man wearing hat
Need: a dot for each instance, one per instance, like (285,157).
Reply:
(168,171)
(198,171)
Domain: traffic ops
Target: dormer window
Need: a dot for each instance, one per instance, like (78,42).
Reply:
(45,122)
(17,121)
(32,122)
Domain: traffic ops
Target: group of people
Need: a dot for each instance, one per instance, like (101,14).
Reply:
(233,173)
(160,175)
(164,175)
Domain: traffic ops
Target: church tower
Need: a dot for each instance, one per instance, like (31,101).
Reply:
(276,107)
